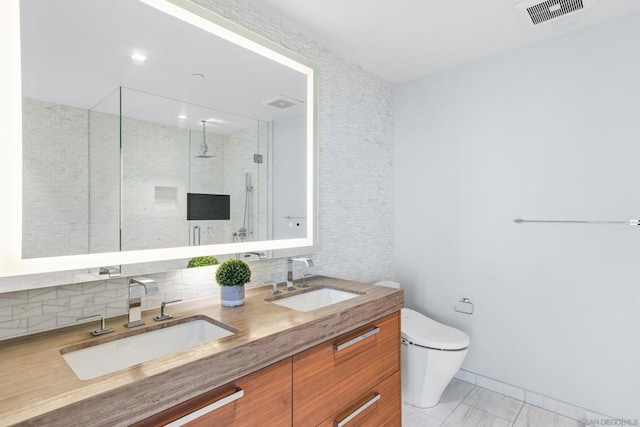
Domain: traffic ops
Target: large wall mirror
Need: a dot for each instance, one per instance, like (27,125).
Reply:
(149,130)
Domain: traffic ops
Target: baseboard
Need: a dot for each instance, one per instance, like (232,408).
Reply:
(536,399)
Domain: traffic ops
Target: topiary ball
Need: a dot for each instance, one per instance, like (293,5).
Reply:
(202,261)
(233,272)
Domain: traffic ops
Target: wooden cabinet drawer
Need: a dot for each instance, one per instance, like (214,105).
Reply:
(379,407)
(265,400)
(332,375)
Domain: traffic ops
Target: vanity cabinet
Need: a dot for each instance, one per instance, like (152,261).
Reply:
(258,399)
(352,380)
(381,406)
(355,376)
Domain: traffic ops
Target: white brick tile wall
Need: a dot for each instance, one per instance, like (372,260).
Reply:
(55,156)
(356,214)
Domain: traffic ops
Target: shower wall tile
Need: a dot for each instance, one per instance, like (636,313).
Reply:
(104,194)
(144,225)
(55,155)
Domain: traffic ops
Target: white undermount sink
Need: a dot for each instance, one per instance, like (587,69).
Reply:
(314,298)
(141,346)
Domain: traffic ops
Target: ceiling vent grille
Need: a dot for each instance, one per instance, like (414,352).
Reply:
(282,102)
(537,13)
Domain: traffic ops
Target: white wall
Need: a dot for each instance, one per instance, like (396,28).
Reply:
(550,131)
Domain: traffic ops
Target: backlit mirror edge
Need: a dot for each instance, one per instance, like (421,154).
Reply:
(11,262)
(313,183)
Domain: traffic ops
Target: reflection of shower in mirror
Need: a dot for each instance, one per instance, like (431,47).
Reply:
(204,148)
(196,235)
(241,234)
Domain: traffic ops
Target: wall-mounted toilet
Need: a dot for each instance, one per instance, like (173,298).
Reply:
(432,353)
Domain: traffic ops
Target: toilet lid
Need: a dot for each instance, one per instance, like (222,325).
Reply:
(421,330)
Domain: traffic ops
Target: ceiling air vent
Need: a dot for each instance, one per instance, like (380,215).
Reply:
(282,102)
(536,13)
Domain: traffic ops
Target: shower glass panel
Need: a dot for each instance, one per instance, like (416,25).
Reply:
(104,174)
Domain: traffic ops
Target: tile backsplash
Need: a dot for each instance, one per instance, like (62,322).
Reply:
(36,310)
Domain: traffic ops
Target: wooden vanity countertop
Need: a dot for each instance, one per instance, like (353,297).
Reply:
(37,387)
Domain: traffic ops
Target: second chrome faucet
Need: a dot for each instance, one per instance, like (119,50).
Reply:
(308,262)
(135,299)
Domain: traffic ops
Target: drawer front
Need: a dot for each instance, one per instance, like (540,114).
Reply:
(330,376)
(380,407)
(248,401)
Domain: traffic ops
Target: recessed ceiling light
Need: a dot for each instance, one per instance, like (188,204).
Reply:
(182,116)
(214,120)
(198,75)
(138,56)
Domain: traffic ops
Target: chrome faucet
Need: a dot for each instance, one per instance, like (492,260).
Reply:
(164,315)
(306,261)
(274,287)
(135,302)
(110,270)
(260,255)
(103,327)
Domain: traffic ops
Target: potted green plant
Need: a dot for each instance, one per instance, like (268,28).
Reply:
(202,261)
(231,276)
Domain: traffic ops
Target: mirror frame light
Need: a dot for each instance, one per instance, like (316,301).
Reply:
(11,261)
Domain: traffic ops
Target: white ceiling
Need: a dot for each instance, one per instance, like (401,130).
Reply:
(77,52)
(405,39)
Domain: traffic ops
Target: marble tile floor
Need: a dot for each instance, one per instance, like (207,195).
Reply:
(467,405)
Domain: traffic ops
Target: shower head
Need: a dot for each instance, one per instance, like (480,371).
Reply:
(204,148)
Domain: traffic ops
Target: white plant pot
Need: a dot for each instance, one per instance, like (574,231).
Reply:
(232,296)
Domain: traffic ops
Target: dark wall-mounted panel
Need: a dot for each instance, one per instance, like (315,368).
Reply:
(207,206)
